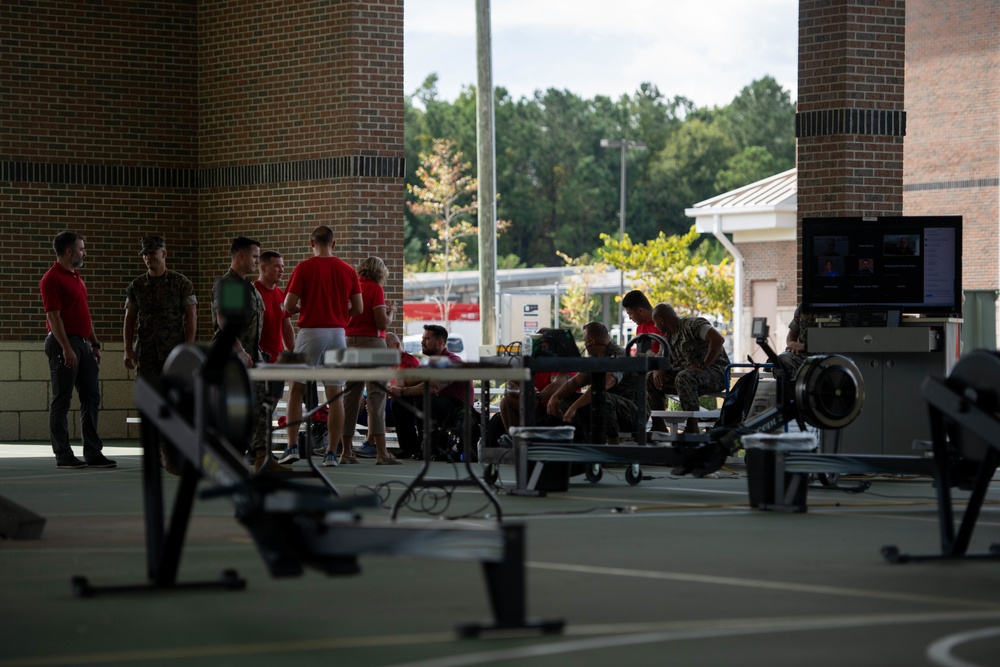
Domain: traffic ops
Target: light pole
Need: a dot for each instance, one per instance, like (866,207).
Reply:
(624,144)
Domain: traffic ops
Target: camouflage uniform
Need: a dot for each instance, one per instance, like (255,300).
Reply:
(621,403)
(159,305)
(800,324)
(250,340)
(687,348)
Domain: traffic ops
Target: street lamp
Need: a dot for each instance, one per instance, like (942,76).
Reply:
(624,144)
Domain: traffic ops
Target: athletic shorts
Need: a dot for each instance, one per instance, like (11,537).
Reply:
(313,344)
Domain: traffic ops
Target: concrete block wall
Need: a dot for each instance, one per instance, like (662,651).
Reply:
(25,393)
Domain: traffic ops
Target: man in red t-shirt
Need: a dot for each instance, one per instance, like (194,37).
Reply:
(277,334)
(327,294)
(74,354)
(640,311)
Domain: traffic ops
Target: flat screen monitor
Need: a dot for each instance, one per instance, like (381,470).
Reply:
(902,265)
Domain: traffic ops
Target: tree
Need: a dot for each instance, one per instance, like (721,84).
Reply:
(667,269)
(684,172)
(763,114)
(559,188)
(447,195)
(753,164)
(578,305)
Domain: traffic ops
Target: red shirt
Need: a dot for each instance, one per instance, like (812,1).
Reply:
(271,341)
(407,360)
(324,285)
(65,292)
(364,324)
(461,391)
(649,327)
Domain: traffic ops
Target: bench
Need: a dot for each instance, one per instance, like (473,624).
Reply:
(676,418)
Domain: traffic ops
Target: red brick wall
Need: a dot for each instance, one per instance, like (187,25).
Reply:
(99,83)
(770,260)
(200,121)
(952,150)
(99,87)
(850,116)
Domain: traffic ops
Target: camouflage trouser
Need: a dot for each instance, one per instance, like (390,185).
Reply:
(619,415)
(687,385)
(791,362)
(262,416)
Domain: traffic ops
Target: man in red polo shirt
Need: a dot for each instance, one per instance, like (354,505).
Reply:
(446,397)
(74,354)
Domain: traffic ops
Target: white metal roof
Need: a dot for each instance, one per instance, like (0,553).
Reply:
(761,211)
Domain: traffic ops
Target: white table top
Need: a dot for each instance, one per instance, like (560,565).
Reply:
(321,374)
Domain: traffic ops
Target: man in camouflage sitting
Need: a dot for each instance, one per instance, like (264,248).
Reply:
(621,391)
(698,359)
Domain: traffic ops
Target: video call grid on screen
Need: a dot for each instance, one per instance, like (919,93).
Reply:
(909,264)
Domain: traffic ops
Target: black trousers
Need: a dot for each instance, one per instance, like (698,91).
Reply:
(409,429)
(86,381)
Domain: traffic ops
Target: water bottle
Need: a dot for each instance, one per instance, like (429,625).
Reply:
(526,345)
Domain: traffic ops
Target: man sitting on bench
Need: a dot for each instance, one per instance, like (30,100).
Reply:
(620,400)
(698,359)
(446,397)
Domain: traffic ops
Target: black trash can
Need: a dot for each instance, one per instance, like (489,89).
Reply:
(770,487)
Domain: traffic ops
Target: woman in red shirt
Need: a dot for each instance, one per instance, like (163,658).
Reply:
(368,330)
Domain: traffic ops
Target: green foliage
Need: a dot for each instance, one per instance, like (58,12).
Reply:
(763,115)
(684,172)
(559,189)
(752,164)
(667,270)
(510,261)
(578,305)
(446,195)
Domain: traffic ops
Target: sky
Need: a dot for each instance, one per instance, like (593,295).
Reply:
(704,50)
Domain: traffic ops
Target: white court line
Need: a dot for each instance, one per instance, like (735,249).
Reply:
(743,582)
(707,630)
(940,651)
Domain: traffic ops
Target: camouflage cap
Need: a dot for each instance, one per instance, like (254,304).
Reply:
(150,244)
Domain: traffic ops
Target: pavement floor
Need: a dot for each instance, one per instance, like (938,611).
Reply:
(671,571)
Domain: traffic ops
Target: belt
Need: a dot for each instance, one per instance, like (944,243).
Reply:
(83,338)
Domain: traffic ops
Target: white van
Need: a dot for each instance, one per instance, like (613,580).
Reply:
(456,343)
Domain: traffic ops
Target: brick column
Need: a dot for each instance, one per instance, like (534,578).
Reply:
(850,120)
(302,124)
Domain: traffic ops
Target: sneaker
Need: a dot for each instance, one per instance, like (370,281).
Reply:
(329,459)
(101,461)
(367,450)
(290,456)
(353,458)
(70,461)
(319,451)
